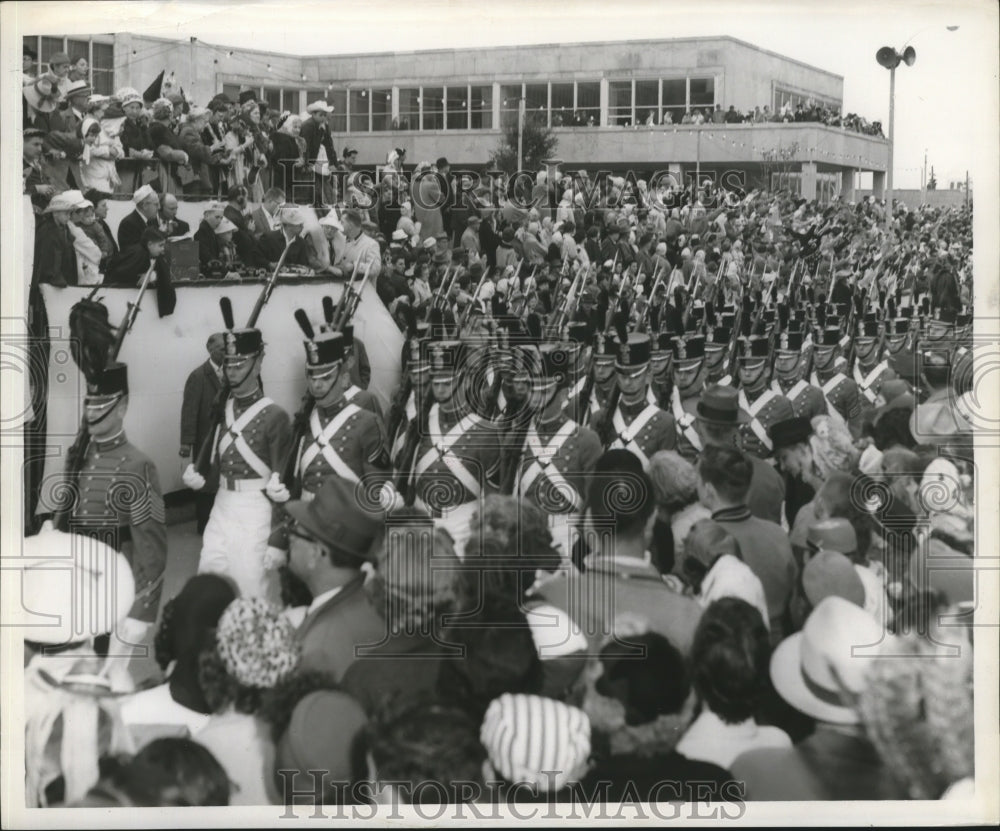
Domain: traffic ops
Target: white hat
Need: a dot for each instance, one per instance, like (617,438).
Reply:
(430,242)
(72,588)
(331,220)
(224,226)
(128,95)
(66,201)
(399,235)
(143,193)
(831,656)
(319,107)
(554,632)
(97,99)
(214,207)
(292,215)
(730,577)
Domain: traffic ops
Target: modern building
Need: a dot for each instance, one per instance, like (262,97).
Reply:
(607,102)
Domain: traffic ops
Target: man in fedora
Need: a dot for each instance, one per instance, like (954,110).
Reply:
(793,455)
(331,538)
(37,183)
(821,671)
(718,418)
(316,132)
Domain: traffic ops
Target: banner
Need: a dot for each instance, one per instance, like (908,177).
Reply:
(162,352)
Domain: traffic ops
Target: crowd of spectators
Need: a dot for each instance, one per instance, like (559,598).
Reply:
(810,112)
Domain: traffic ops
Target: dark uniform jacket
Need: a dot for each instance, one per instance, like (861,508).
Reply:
(120,503)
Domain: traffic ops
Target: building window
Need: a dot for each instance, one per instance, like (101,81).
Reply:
(409,109)
(100,58)
(337,98)
(482,107)
(432,103)
(510,97)
(77,49)
(49,47)
(536,101)
(272,97)
(620,103)
(381,109)
(588,103)
(674,99)
(358,113)
(562,105)
(457,104)
(102,68)
(703,95)
(647,102)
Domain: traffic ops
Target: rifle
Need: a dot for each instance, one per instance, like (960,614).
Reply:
(202,462)
(460,324)
(131,313)
(561,311)
(407,457)
(605,430)
(300,423)
(349,305)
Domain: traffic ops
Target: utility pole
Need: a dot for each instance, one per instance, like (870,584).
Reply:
(966,188)
(520,134)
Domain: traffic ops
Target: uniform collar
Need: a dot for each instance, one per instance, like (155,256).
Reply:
(335,407)
(112,443)
(634,409)
(250,399)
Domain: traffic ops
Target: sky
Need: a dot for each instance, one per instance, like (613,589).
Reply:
(946,103)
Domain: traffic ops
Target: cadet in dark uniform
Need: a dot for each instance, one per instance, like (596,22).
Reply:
(689,383)
(249,449)
(871,370)
(638,426)
(458,458)
(841,393)
(119,499)
(791,363)
(762,404)
(557,453)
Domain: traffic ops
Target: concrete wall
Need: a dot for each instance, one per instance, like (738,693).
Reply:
(830,148)
(914,198)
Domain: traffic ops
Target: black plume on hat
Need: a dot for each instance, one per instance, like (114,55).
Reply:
(227,312)
(303,320)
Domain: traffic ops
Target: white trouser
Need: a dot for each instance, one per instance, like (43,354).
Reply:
(235,541)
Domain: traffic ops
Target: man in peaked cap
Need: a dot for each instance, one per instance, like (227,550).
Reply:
(791,362)
(689,383)
(119,500)
(870,370)
(252,442)
(557,454)
(458,458)
(636,425)
(842,395)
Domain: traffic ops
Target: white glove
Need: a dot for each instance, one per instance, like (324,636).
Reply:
(389,498)
(193,479)
(871,460)
(274,558)
(132,631)
(275,490)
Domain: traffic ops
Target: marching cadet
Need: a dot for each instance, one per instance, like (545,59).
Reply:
(660,366)
(841,393)
(761,403)
(119,500)
(250,444)
(689,383)
(458,457)
(871,370)
(418,371)
(557,453)
(603,362)
(717,354)
(791,362)
(579,332)
(355,358)
(633,423)
(343,437)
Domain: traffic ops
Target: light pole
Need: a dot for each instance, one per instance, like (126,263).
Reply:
(520,133)
(890,59)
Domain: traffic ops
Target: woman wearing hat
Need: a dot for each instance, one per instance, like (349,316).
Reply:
(135,131)
(98,160)
(55,256)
